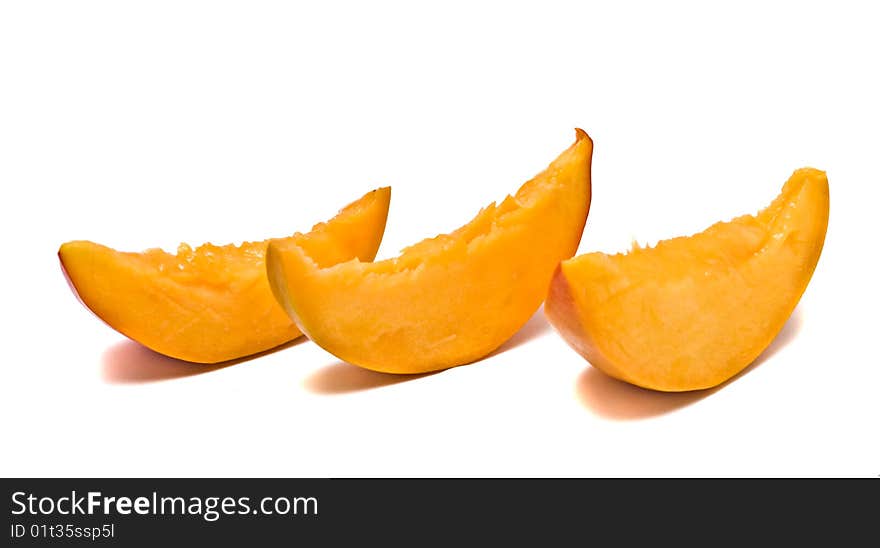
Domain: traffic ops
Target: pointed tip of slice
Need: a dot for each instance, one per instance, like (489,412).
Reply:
(381,194)
(581,135)
(67,249)
(64,251)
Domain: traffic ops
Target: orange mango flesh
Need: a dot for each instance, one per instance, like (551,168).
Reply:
(448,300)
(694,311)
(212,303)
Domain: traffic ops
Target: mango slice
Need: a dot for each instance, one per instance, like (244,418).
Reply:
(448,300)
(212,303)
(692,312)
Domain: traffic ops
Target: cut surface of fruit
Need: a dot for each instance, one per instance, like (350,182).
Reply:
(212,303)
(694,311)
(448,300)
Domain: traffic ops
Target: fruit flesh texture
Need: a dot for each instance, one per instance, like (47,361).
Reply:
(693,311)
(448,300)
(212,303)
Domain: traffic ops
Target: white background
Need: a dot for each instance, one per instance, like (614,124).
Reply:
(145,124)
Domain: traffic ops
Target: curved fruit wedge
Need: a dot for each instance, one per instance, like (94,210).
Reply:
(693,311)
(448,300)
(213,303)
